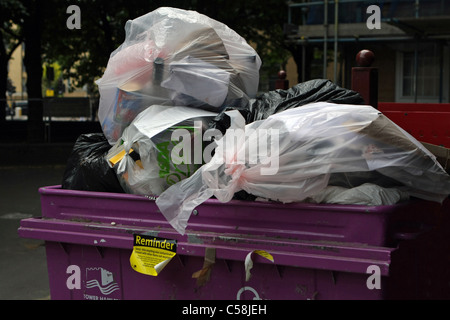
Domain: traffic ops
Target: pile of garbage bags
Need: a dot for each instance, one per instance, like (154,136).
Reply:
(175,57)
(182,122)
(301,148)
(145,160)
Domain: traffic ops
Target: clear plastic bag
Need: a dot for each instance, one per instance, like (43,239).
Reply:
(143,159)
(175,57)
(365,194)
(293,154)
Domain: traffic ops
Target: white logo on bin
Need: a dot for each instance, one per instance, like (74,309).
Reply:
(107,285)
(97,279)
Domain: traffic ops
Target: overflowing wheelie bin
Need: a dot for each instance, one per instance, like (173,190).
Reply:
(304,193)
(318,251)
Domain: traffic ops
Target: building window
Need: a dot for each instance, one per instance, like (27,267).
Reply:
(429,83)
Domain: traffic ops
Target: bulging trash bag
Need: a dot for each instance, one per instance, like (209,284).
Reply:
(162,146)
(365,194)
(175,57)
(275,101)
(317,90)
(291,155)
(87,168)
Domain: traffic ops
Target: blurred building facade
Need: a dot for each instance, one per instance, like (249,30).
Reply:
(410,40)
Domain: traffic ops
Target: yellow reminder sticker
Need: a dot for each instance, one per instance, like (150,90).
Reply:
(151,254)
(264,254)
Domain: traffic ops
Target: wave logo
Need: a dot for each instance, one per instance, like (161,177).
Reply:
(107,285)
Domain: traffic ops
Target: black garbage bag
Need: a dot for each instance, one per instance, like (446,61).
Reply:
(271,102)
(303,93)
(87,168)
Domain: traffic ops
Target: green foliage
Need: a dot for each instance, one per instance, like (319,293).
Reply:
(82,54)
(12,15)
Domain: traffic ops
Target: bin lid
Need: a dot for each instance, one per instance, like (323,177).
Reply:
(370,225)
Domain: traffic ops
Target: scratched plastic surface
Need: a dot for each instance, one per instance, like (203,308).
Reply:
(296,221)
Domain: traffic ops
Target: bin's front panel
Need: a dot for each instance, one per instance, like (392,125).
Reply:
(337,256)
(319,251)
(418,268)
(89,260)
(106,274)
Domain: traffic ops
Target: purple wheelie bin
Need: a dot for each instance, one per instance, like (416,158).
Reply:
(319,251)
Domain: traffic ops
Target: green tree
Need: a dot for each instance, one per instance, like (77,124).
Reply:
(83,53)
(21,21)
(259,22)
(32,33)
(11,17)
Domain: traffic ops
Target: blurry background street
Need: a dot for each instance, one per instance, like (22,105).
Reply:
(23,266)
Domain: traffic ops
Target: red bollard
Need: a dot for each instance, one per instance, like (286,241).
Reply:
(282,82)
(365,78)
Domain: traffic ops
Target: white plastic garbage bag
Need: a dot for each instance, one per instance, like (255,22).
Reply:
(144,158)
(293,153)
(366,194)
(175,57)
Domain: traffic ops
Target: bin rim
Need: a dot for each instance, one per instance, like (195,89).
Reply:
(57,190)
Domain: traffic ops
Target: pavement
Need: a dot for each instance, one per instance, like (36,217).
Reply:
(23,265)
